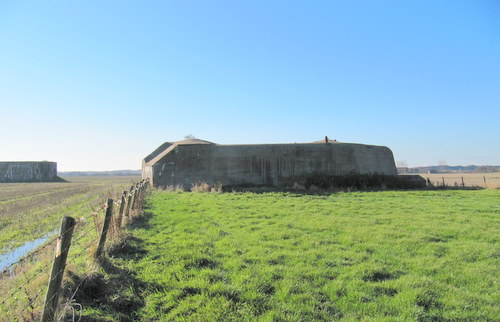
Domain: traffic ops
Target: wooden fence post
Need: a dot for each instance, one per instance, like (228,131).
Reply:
(141,195)
(463,183)
(134,197)
(122,208)
(145,190)
(129,201)
(56,276)
(443,181)
(137,195)
(484,179)
(105,227)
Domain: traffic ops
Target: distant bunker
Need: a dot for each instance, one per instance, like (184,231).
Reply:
(28,171)
(322,163)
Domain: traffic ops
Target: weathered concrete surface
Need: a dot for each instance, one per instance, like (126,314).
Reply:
(28,171)
(187,162)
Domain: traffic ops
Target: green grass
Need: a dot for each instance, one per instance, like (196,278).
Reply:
(395,255)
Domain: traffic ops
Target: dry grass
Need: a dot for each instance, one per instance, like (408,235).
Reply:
(470,179)
(205,187)
(197,187)
(172,188)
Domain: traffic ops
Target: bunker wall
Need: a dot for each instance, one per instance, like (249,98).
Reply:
(43,171)
(279,165)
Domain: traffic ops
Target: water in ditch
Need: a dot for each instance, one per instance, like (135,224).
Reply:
(15,255)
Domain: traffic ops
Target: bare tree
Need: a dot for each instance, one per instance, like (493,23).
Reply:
(402,166)
(442,166)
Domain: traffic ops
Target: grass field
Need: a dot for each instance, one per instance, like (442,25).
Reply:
(393,255)
(31,210)
(470,179)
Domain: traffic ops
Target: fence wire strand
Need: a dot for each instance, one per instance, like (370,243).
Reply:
(28,280)
(32,300)
(46,266)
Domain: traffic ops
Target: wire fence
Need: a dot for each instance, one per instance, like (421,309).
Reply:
(23,283)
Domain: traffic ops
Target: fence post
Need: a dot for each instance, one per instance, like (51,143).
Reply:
(105,227)
(443,181)
(141,195)
(56,276)
(145,190)
(129,200)
(463,183)
(122,208)
(134,197)
(137,195)
(484,179)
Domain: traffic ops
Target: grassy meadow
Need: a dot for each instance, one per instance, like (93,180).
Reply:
(31,210)
(387,255)
(390,255)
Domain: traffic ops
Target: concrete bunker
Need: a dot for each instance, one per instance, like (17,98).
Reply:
(185,163)
(28,171)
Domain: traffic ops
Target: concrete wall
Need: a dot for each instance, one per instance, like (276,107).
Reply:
(28,171)
(280,165)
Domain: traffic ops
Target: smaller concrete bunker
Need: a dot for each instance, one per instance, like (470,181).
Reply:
(28,171)
(185,163)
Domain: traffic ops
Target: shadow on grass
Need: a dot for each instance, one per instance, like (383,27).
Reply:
(326,185)
(141,222)
(316,191)
(115,293)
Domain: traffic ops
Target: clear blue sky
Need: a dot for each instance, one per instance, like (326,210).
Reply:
(97,85)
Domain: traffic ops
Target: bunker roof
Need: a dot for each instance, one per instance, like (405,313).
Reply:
(167,147)
(192,141)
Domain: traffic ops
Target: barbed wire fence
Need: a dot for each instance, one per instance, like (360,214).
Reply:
(34,274)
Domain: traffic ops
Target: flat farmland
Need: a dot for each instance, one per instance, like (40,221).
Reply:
(387,255)
(390,255)
(31,210)
(470,179)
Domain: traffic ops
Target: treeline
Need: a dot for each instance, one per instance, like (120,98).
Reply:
(450,169)
(99,173)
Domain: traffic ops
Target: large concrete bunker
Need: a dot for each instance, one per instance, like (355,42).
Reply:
(28,171)
(188,162)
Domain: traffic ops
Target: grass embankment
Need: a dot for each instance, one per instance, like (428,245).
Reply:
(415,255)
(31,210)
